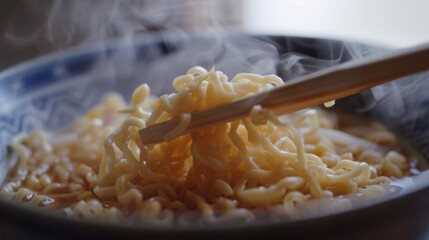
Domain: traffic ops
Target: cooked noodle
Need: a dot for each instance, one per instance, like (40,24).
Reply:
(262,165)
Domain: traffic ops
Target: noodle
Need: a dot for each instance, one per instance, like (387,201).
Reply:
(260,165)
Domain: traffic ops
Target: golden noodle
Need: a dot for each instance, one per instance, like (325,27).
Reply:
(99,168)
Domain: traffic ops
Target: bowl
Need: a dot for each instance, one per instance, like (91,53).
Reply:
(49,92)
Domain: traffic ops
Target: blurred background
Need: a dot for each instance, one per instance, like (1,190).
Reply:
(29,28)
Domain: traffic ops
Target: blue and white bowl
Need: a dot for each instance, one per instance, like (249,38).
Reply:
(50,92)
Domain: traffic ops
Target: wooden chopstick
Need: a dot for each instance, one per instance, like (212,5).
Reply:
(333,83)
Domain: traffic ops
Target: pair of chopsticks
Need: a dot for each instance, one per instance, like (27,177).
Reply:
(332,83)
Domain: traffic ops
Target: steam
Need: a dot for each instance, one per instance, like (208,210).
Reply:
(57,25)
(192,33)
